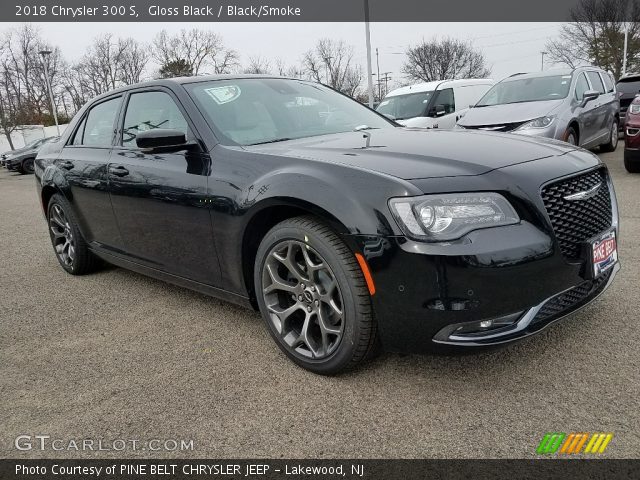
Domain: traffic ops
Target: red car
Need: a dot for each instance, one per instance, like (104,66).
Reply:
(632,137)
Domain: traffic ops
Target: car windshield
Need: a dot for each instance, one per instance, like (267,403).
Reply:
(400,107)
(266,110)
(522,90)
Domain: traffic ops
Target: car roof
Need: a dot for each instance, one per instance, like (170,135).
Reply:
(193,79)
(553,72)
(431,86)
(629,77)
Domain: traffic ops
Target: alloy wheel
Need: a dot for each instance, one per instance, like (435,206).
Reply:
(614,135)
(571,139)
(303,300)
(62,235)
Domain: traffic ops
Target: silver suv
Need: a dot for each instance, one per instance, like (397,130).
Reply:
(578,106)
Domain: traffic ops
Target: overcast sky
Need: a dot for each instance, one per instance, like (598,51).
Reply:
(508,47)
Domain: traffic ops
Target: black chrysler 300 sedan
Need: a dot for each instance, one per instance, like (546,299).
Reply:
(345,230)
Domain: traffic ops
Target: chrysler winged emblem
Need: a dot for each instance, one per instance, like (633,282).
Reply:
(585,194)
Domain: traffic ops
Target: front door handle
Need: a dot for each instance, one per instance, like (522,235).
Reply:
(67,165)
(118,171)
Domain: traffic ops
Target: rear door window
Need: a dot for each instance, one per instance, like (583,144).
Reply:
(596,82)
(96,130)
(608,82)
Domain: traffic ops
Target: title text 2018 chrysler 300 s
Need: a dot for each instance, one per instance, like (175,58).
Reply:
(345,230)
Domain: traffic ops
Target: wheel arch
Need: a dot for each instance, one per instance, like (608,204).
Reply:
(264,216)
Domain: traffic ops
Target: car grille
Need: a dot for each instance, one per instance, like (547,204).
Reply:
(576,221)
(501,127)
(570,299)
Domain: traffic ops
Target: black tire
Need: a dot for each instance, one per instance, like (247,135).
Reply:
(571,136)
(612,144)
(332,259)
(27,166)
(632,166)
(83,260)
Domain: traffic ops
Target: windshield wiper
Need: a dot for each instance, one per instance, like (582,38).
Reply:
(275,140)
(359,128)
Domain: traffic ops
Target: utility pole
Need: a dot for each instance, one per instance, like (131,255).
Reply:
(379,82)
(368,35)
(45,54)
(542,62)
(385,78)
(624,54)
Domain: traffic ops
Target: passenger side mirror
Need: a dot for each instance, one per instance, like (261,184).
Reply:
(161,139)
(588,96)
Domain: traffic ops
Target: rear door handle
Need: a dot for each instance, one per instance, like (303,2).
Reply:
(67,165)
(118,171)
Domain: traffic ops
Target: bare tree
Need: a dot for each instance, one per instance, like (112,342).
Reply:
(258,65)
(108,64)
(444,59)
(596,36)
(293,71)
(331,62)
(199,48)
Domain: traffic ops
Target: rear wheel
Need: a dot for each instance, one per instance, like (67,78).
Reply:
(68,244)
(27,166)
(612,143)
(313,297)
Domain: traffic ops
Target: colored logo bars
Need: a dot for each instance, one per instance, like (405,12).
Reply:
(574,443)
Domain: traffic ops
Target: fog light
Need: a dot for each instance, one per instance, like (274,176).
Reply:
(486,323)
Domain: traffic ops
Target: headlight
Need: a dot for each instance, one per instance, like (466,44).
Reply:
(542,122)
(633,108)
(450,216)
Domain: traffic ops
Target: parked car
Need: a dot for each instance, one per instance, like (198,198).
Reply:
(343,229)
(632,137)
(434,104)
(578,106)
(21,160)
(627,87)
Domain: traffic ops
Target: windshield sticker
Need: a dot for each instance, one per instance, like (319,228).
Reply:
(224,94)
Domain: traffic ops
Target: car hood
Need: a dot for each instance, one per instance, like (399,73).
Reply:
(416,153)
(18,151)
(509,113)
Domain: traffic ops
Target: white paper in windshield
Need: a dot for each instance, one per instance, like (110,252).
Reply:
(225,94)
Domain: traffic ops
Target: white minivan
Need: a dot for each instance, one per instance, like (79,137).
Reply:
(434,104)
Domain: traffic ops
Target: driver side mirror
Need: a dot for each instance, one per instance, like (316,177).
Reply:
(588,96)
(162,139)
(438,111)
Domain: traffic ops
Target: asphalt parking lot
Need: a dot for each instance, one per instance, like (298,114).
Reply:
(116,355)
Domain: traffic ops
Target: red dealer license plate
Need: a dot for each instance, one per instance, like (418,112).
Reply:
(605,253)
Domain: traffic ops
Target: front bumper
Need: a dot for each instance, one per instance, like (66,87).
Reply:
(515,276)
(13,164)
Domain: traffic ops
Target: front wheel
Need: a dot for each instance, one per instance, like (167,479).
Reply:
(27,166)
(313,297)
(612,142)
(571,136)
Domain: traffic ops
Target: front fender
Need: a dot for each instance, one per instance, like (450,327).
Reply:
(356,200)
